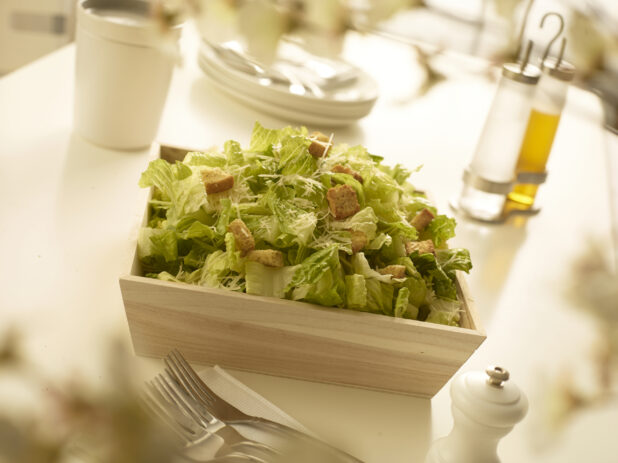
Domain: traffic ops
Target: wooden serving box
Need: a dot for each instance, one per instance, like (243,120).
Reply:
(295,339)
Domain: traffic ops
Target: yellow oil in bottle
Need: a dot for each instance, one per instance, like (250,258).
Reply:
(535,149)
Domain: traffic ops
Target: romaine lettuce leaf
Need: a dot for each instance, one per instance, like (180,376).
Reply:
(454,259)
(398,172)
(179,184)
(364,220)
(379,241)
(190,228)
(429,268)
(155,242)
(233,153)
(379,296)
(234,261)
(226,215)
(263,139)
(381,186)
(444,312)
(361,266)
(319,279)
(401,304)
(356,291)
(216,273)
(414,282)
(157,250)
(267,281)
(296,225)
(210,158)
(294,157)
(440,230)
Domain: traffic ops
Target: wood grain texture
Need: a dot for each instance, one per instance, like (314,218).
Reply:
(295,339)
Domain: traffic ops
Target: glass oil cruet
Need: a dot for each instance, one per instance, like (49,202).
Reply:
(490,176)
(547,106)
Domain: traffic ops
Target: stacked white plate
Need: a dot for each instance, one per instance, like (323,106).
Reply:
(334,106)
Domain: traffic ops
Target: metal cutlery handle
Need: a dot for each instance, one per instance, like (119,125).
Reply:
(300,435)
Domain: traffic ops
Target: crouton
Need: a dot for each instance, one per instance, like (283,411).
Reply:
(423,247)
(319,144)
(320,136)
(339,169)
(422,219)
(242,236)
(396,271)
(342,201)
(359,240)
(216,181)
(268,257)
(318,149)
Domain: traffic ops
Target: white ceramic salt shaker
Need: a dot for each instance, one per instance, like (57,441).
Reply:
(485,407)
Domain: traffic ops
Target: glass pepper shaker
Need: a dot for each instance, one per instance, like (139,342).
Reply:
(547,106)
(490,176)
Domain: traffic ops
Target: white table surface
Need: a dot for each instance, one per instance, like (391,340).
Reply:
(69,209)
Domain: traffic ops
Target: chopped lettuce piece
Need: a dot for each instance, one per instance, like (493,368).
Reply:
(216,273)
(379,241)
(444,312)
(361,266)
(398,172)
(440,230)
(210,158)
(234,261)
(155,242)
(356,291)
(267,281)
(226,215)
(433,274)
(401,303)
(319,279)
(454,259)
(178,184)
(263,139)
(414,282)
(294,157)
(379,296)
(233,153)
(364,220)
(295,225)
(192,228)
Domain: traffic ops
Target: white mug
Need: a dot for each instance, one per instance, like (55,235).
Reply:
(122,73)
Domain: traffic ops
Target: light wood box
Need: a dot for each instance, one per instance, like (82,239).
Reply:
(296,339)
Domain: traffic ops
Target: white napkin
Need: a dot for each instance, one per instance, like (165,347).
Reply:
(246,399)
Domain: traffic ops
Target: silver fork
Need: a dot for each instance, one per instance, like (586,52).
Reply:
(192,423)
(179,368)
(190,438)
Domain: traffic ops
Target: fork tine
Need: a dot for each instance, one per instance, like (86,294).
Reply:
(180,377)
(171,409)
(181,368)
(171,395)
(206,394)
(181,400)
(181,393)
(184,419)
(156,410)
(175,370)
